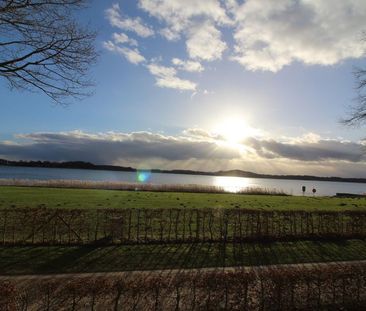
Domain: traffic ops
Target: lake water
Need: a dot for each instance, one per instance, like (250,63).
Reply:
(232,184)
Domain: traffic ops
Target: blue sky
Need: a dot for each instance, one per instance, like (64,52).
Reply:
(278,73)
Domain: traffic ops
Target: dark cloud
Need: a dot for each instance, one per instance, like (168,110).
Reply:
(110,147)
(194,145)
(309,151)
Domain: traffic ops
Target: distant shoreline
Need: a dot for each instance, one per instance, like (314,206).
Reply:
(229,173)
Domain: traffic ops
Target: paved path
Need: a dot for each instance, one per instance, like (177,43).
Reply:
(174,271)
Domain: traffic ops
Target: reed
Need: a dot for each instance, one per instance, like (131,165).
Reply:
(116,185)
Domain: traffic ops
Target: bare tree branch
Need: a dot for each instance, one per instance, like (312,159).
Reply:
(43,48)
(358,112)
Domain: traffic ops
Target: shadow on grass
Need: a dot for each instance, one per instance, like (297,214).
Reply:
(61,259)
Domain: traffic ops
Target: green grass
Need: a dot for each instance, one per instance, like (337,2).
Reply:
(57,259)
(41,260)
(11,197)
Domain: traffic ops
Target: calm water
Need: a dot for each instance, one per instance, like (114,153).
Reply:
(324,188)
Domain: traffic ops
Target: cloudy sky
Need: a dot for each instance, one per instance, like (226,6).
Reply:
(257,85)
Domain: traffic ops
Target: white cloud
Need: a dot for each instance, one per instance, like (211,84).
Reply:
(130,24)
(170,34)
(167,77)
(272,34)
(196,20)
(122,38)
(132,55)
(201,134)
(268,35)
(231,5)
(204,42)
(190,66)
(179,15)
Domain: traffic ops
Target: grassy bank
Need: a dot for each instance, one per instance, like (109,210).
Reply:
(166,216)
(89,198)
(43,260)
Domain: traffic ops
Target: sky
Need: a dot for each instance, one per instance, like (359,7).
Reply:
(207,85)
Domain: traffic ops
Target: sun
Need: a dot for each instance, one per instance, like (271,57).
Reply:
(233,131)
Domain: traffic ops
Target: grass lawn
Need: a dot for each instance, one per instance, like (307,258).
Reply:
(64,259)
(11,196)
(41,260)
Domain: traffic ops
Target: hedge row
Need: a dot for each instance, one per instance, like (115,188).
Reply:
(114,226)
(331,287)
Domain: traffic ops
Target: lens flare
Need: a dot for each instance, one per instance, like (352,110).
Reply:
(143,176)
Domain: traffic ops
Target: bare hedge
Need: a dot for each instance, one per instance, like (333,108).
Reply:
(117,226)
(333,287)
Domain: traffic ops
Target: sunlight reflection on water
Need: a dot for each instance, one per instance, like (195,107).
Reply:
(233,184)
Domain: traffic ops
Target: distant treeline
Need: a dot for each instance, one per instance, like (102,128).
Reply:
(234,173)
(69,164)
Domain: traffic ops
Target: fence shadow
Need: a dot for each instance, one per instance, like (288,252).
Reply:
(60,259)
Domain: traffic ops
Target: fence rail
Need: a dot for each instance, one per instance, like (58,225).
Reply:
(116,226)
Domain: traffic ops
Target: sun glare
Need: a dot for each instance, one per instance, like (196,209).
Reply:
(232,184)
(234,131)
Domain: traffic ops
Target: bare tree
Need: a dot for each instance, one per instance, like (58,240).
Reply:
(43,48)
(358,112)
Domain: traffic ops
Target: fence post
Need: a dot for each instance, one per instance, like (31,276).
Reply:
(197,225)
(176,225)
(96,227)
(184,225)
(5,223)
